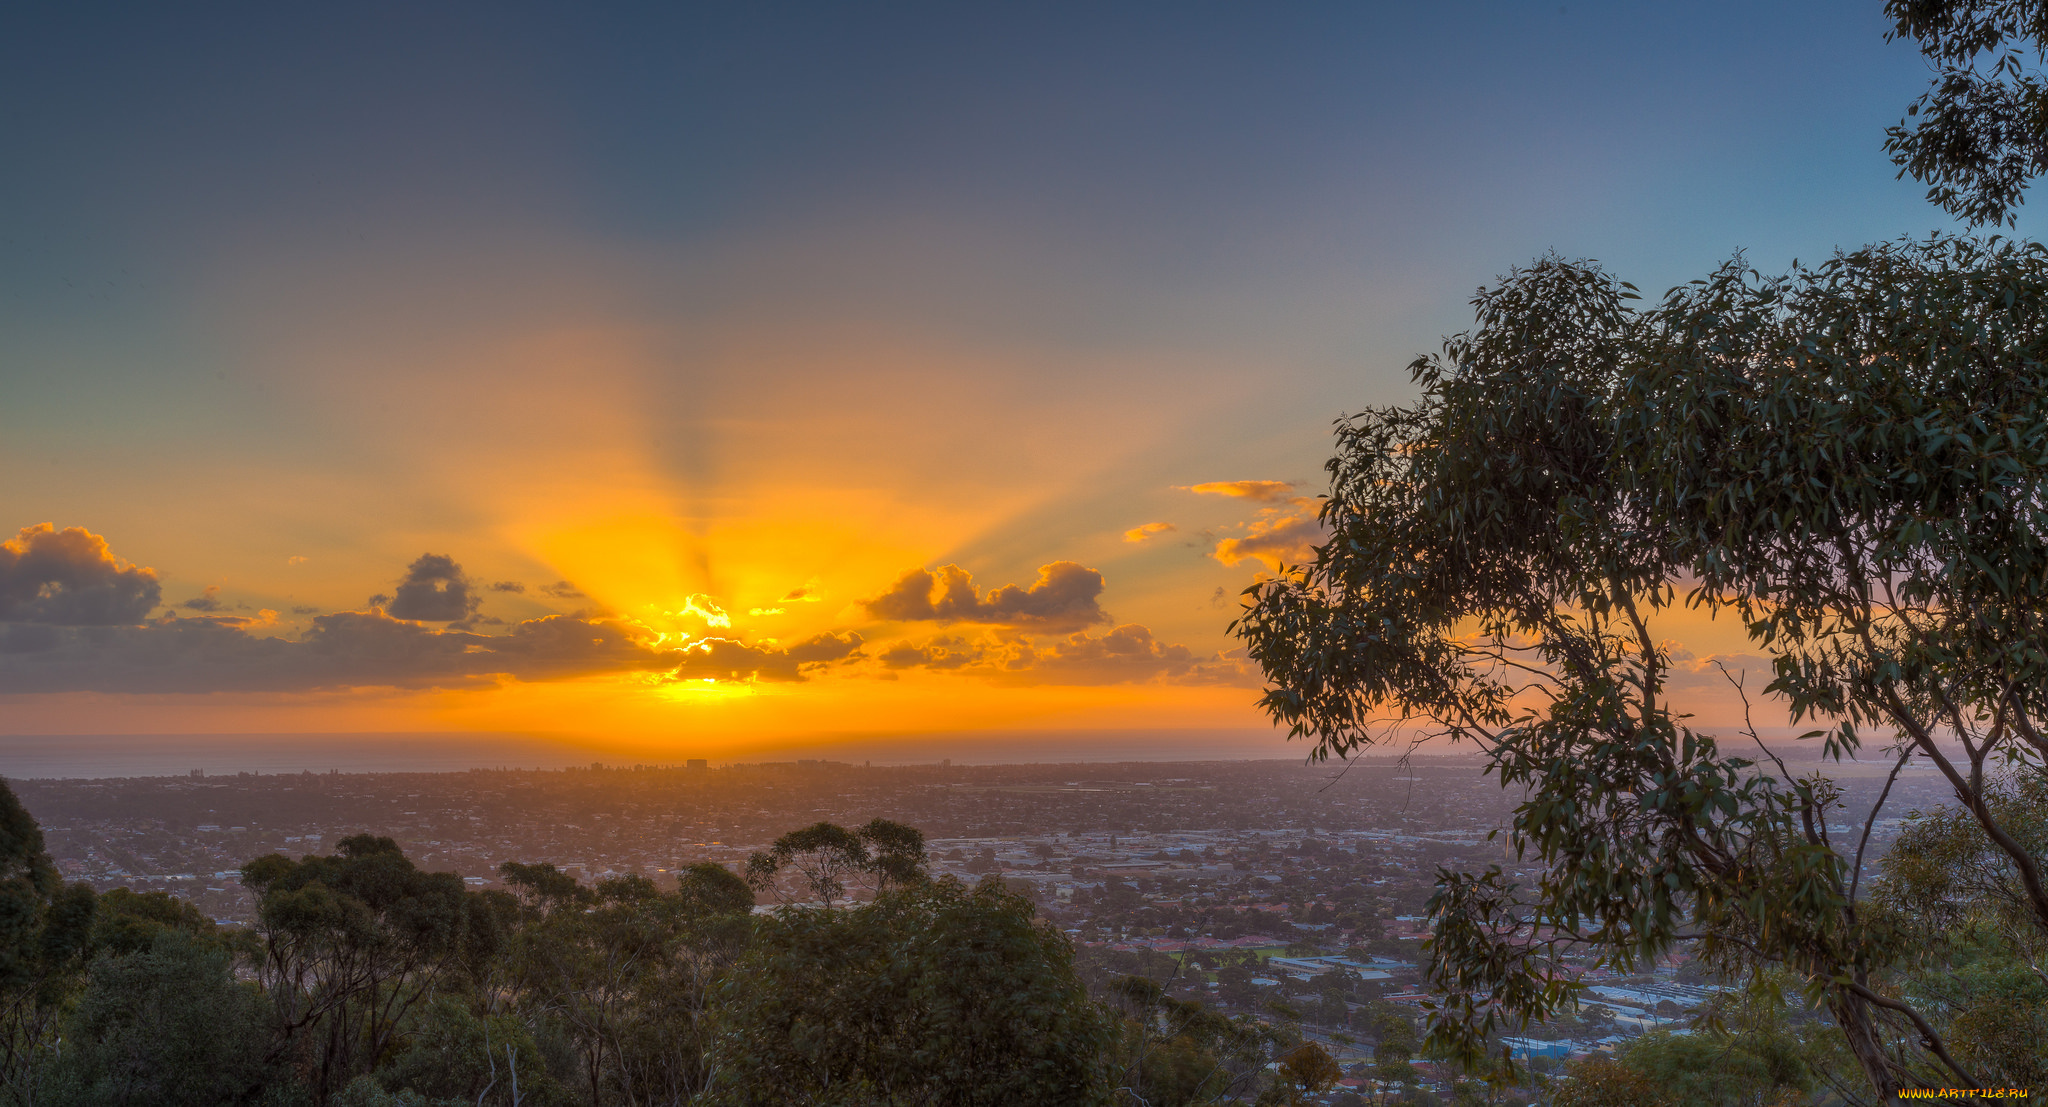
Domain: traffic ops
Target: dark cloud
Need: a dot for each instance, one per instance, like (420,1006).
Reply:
(507,586)
(434,590)
(69,578)
(345,649)
(29,637)
(305,609)
(825,647)
(1062,598)
(351,649)
(725,659)
(808,592)
(939,653)
(1129,654)
(562,590)
(206,600)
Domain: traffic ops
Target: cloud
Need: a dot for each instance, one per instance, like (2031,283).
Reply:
(207,600)
(353,649)
(1258,491)
(724,659)
(1277,538)
(71,620)
(70,578)
(1693,674)
(808,592)
(507,586)
(1127,654)
(295,559)
(1140,533)
(562,590)
(1062,598)
(434,589)
(29,637)
(346,649)
(1286,531)
(305,609)
(945,652)
(707,609)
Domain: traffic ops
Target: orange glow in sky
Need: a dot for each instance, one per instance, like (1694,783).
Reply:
(701,383)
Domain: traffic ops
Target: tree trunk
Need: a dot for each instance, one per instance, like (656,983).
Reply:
(1858,1023)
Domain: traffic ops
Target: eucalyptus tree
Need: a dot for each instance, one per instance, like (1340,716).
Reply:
(1849,461)
(45,930)
(880,855)
(1979,962)
(592,966)
(167,1026)
(930,994)
(628,970)
(1170,1052)
(1979,135)
(351,943)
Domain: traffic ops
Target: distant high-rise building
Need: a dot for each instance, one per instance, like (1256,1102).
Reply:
(695,763)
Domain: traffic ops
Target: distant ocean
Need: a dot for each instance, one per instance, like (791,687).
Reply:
(121,755)
(117,755)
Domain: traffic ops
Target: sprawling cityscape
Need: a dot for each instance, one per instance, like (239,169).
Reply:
(1293,893)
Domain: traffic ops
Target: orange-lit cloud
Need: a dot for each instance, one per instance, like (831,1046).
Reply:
(1286,530)
(70,578)
(1140,533)
(1278,538)
(1258,491)
(1062,598)
(723,659)
(704,607)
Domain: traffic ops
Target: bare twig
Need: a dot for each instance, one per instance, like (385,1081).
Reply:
(1856,879)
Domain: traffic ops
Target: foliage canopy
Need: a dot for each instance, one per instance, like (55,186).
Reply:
(1979,135)
(1850,459)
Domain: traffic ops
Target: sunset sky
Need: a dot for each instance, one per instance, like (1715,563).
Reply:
(711,379)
